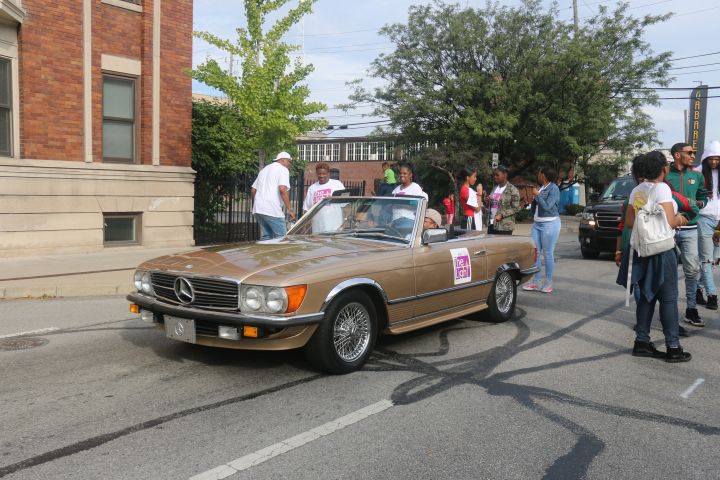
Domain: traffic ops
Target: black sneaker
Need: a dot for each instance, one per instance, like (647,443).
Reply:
(676,355)
(646,349)
(693,317)
(699,299)
(682,332)
(712,302)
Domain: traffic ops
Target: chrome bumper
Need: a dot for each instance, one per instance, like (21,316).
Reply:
(233,319)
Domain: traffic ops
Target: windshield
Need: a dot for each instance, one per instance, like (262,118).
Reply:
(389,219)
(619,189)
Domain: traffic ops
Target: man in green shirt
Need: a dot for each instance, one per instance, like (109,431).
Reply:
(690,184)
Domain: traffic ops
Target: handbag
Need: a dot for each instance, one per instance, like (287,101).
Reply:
(651,233)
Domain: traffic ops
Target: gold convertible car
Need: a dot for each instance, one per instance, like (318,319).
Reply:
(350,269)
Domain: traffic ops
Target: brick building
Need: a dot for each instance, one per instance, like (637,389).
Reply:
(95,125)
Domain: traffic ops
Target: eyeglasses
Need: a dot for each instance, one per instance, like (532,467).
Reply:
(689,152)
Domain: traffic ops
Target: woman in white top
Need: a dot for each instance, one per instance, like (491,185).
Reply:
(707,223)
(330,218)
(654,278)
(407,186)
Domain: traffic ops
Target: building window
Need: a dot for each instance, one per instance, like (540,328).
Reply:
(121,229)
(319,152)
(5,108)
(118,119)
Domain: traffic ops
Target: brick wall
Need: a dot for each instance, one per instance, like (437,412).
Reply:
(51,80)
(51,77)
(175,108)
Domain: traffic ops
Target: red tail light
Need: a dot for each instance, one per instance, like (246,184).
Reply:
(535,255)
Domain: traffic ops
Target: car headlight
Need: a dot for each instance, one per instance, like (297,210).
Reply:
(137,278)
(587,216)
(251,298)
(260,299)
(146,283)
(276,300)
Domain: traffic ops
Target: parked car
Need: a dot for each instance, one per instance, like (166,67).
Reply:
(350,269)
(599,226)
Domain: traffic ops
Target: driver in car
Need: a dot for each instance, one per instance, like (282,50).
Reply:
(432,219)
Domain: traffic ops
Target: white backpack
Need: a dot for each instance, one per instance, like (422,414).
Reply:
(652,234)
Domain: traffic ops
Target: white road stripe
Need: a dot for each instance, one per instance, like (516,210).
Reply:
(688,391)
(265,454)
(31,332)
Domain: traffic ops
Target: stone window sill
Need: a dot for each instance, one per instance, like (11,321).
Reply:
(124,4)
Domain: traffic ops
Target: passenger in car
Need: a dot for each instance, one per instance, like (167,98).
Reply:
(433,219)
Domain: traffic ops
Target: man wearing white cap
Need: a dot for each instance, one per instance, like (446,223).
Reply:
(270,192)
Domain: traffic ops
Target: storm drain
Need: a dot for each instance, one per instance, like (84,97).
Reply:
(22,343)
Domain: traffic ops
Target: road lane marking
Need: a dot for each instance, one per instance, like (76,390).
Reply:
(31,332)
(688,391)
(265,454)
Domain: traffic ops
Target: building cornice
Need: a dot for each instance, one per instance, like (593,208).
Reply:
(10,11)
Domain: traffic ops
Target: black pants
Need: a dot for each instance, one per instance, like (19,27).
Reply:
(491,229)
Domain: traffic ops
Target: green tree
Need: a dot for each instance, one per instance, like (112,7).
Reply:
(268,96)
(517,81)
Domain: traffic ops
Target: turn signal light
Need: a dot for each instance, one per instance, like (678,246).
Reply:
(251,332)
(134,308)
(295,296)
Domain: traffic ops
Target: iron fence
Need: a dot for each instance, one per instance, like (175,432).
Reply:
(223,206)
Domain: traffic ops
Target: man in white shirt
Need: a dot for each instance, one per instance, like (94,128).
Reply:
(270,191)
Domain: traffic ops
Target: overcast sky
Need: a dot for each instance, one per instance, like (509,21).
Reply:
(341,39)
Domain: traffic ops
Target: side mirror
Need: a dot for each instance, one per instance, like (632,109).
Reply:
(434,235)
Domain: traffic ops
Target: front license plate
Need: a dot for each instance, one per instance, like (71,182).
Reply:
(180,329)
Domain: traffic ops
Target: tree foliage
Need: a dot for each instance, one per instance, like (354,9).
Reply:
(519,82)
(267,97)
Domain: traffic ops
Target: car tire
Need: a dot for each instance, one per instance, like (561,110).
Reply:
(501,303)
(589,254)
(345,338)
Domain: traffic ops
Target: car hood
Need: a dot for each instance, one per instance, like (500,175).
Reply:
(275,258)
(607,206)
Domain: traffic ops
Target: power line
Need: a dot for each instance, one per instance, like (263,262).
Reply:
(695,66)
(699,71)
(693,56)
(671,88)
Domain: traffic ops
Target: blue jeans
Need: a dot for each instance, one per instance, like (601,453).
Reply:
(545,236)
(667,295)
(270,227)
(687,242)
(706,228)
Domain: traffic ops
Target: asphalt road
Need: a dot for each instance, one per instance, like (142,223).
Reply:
(552,394)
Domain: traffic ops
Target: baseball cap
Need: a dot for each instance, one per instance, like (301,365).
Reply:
(433,215)
(282,155)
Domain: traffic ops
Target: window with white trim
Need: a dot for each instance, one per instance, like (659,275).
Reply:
(119,125)
(121,228)
(5,107)
(319,152)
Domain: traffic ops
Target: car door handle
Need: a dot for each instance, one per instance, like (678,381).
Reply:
(480,253)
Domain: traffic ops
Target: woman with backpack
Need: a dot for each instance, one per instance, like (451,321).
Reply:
(654,277)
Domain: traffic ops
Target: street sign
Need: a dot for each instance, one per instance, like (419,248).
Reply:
(495,160)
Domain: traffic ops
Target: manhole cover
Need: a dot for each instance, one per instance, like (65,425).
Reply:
(22,343)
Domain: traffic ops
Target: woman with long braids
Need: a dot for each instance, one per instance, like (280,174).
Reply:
(707,223)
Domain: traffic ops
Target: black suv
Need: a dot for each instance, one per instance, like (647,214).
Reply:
(599,226)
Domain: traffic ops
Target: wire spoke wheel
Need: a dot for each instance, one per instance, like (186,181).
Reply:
(351,332)
(504,293)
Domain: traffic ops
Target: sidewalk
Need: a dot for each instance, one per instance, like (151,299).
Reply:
(109,272)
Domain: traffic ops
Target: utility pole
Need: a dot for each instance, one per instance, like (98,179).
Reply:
(575,16)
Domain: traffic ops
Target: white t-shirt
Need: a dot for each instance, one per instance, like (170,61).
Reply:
(412,189)
(537,217)
(712,208)
(330,217)
(639,195)
(317,191)
(495,197)
(267,196)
